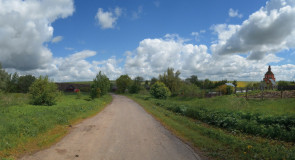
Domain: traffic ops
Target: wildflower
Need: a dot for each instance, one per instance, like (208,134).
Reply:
(249,146)
(245,152)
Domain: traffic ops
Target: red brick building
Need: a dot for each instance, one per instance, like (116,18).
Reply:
(269,76)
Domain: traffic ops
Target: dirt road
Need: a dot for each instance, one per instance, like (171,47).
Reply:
(122,131)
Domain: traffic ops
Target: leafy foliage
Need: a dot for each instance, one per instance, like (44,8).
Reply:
(226,90)
(171,80)
(269,126)
(189,90)
(160,91)
(24,83)
(3,79)
(123,83)
(12,83)
(43,92)
(136,85)
(153,81)
(101,82)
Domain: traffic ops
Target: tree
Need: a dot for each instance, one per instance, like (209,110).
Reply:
(193,79)
(153,81)
(101,82)
(136,85)
(235,83)
(3,78)
(123,83)
(171,80)
(43,92)
(24,83)
(207,84)
(283,85)
(189,90)
(12,83)
(160,91)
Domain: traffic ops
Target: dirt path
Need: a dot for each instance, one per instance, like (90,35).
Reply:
(123,131)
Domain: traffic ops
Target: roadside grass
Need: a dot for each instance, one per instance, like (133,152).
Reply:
(215,142)
(26,128)
(275,107)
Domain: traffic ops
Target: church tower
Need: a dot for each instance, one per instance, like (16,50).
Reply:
(269,76)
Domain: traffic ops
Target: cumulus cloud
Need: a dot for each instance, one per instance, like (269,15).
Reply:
(76,67)
(24,28)
(56,39)
(108,19)
(269,30)
(234,13)
(153,56)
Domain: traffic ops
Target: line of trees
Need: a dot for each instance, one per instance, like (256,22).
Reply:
(13,83)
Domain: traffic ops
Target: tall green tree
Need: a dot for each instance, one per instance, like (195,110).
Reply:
(171,80)
(24,83)
(136,85)
(3,78)
(123,83)
(12,83)
(101,82)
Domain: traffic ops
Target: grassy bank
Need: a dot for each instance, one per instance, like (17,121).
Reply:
(218,142)
(25,128)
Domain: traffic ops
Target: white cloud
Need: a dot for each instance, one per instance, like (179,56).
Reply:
(234,13)
(76,68)
(24,28)
(108,19)
(57,39)
(153,56)
(197,35)
(269,30)
(136,14)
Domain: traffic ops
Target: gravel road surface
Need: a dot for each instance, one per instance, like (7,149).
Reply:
(122,131)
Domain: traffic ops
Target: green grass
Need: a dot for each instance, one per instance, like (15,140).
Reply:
(218,143)
(275,107)
(25,128)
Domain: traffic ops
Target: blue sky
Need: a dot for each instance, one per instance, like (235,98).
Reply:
(81,31)
(71,40)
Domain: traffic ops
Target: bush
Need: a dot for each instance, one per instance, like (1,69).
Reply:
(189,90)
(160,91)
(43,92)
(102,83)
(123,83)
(225,89)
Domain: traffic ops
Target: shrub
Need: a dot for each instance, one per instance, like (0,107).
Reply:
(160,91)
(77,91)
(226,90)
(102,83)
(189,90)
(43,92)
(123,83)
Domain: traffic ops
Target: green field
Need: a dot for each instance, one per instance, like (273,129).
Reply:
(25,128)
(229,127)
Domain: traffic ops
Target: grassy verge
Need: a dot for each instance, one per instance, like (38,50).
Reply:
(27,128)
(215,142)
